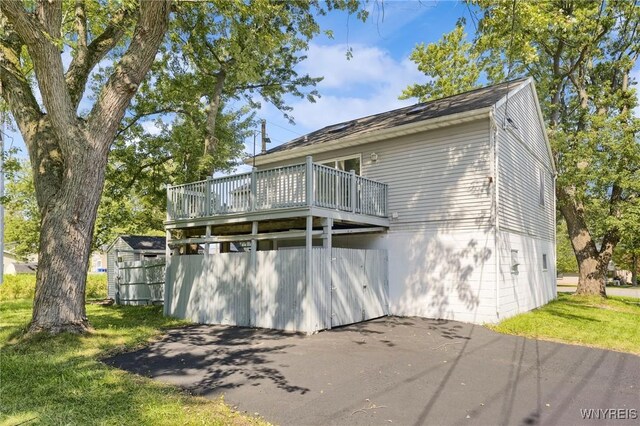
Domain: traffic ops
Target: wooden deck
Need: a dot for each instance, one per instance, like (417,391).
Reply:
(298,190)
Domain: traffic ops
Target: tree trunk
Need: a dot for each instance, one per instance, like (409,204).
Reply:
(210,140)
(65,244)
(592,276)
(592,264)
(634,269)
(69,154)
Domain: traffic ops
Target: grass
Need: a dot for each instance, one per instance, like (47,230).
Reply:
(612,323)
(23,286)
(60,380)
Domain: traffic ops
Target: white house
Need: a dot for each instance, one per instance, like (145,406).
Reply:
(443,209)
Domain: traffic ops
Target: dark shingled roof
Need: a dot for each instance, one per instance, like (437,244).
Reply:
(25,268)
(467,101)
(143,242)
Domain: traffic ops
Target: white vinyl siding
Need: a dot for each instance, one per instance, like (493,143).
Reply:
(437,179)
(524,164)
(531,286)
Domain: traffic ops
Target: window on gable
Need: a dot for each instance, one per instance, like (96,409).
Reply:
(541,195)
(544,262)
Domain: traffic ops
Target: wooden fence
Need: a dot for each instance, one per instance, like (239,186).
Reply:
(271,291)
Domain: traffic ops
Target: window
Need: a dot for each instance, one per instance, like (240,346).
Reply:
(541,187)
(544,262)
(514,262)
(346,164)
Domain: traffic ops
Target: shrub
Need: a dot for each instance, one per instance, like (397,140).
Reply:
(96,286)
(23,286)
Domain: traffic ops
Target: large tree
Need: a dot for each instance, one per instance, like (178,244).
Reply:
(70,116)
(581,54)
(68,151)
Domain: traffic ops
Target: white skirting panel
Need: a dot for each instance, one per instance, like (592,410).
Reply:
(348,286)
(438,273)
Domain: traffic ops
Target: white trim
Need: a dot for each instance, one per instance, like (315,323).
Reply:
(512,92)
(543,126)
(493,141)
(373,136)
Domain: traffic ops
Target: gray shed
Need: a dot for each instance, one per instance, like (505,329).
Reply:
(127,248)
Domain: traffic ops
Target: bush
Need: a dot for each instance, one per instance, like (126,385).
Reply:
(20,286)
(23,286)
(96,286)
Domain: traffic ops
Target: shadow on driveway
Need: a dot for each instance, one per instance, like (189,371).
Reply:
(395,371)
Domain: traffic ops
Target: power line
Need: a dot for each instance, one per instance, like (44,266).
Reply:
(284,128)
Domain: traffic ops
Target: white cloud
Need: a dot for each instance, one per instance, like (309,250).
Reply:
(150,127)
(367,84)
(368,65)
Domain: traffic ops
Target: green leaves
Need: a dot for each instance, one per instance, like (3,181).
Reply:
(22,217)
(453,64)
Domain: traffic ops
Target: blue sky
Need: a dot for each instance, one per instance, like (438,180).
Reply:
(371,81)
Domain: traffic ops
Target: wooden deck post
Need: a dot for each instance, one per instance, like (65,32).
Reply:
(253,276)
(327,244)
(207,233)
(308,290)
(207,197)
(309,181)
(252,190)
(167,264)
(353,197)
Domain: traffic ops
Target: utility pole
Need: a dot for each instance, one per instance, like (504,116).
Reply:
(265,139)
(264,135)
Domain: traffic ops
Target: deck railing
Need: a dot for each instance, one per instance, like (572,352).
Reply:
(307,184)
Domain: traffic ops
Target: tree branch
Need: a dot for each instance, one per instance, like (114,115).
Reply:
(41,38)
(81,26)
(14,86)
(86,59)
(142,167)
(104,119)
(137,117)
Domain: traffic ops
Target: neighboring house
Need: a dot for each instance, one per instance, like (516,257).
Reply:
(98,261)
(130,248)
(7,259)
(12,265)
(444,209)
(21,268)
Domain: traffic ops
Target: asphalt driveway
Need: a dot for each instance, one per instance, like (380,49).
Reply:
(400,371)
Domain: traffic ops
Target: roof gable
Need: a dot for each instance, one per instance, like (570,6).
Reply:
(141,242)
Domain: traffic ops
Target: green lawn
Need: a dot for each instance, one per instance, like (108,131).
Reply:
(612,323)
(59,380)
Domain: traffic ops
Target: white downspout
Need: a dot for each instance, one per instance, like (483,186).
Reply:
(496,204)
(554,276)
